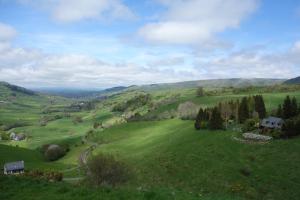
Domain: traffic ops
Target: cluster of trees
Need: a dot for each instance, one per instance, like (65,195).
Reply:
(133,103)
(79,106)
(290,111)
(241,111)
(209,118)
(248,107)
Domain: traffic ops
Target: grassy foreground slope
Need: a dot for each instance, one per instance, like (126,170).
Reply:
(172,155)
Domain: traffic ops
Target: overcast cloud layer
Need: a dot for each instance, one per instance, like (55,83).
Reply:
(173,46)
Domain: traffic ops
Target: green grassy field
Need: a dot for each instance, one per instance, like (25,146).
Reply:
(172,155)
(168,159)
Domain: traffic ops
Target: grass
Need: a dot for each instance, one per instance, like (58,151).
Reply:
(28,189)
(32,158)
(272,100)
(171,154)
(168,159)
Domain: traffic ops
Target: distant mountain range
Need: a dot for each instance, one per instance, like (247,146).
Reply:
(215,83)
(211,83)
(293,81)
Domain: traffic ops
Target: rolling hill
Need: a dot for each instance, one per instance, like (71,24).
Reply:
(168,158)
(293,81)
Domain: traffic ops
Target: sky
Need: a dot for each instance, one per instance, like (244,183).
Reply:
(96,44)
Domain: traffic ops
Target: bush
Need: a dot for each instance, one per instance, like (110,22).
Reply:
(187,111)
(49,176)
(7,127)
(105,170)
(97,125)
(77,120)
(200,92)
(249,125)
(291,127)
(4,136)
(54,152)
(201,125)
(276,133)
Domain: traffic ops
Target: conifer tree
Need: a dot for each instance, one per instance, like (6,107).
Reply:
(279,111)
(294,108)
(260,107)
(287,108)
(243,110)
(201,116)
(216,121)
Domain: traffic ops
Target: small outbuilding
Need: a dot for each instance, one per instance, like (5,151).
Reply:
(17,137)
(271,123)
(14,167)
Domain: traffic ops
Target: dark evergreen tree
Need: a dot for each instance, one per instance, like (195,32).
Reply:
(260,107)
(294,108)
(287,108)
(198,119)
(279,112)
(243,112)
(216,121)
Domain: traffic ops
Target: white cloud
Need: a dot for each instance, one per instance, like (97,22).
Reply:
(254,64)
(72,11)
(6,32)
(196,21)
(32,68)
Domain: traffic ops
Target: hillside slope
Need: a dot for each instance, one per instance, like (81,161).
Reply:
(213,83)
(293,81)
(173,155)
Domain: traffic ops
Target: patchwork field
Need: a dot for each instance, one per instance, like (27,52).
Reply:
(167,159)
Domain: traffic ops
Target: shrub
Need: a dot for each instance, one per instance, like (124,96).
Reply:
(105,170)
(187,111)
(49,176)
(77,120)
(97,125)
(245,171)
(4,136)
(249,125)
(201,125)
(276,133)
(54,152)
(7,127)
(291,127)
(200,92)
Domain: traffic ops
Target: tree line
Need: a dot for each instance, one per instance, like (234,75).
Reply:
(240,111)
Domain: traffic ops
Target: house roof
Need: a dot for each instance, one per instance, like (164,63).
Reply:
(272,122)
(18,165)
